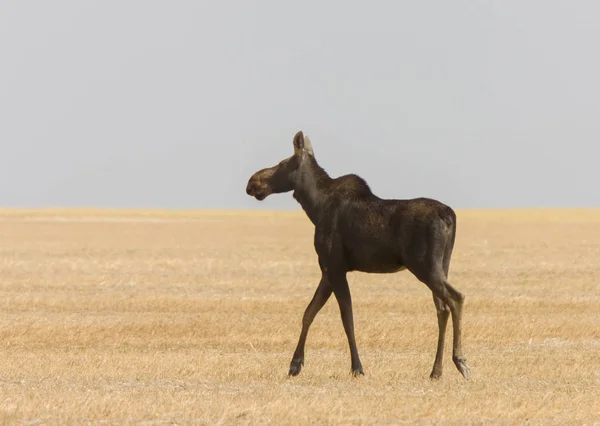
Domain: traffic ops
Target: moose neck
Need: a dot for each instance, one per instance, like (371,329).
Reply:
(311,188)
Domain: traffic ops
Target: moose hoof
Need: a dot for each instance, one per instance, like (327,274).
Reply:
(435,375)
(461,364)
(358,371)
(296,367)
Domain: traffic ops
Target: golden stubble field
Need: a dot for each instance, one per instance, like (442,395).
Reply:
(118,317)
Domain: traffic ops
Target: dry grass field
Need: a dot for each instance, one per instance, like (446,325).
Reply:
(119,317)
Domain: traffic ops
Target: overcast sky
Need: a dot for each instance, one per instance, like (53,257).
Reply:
(174,104)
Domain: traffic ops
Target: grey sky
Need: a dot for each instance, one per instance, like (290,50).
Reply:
(175,103)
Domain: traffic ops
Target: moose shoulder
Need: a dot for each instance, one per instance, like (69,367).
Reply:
(357,231)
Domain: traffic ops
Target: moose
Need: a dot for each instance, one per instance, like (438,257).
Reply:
(355,230)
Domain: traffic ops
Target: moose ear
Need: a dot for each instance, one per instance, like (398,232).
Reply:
(302,144)
(308,146)
(299,143)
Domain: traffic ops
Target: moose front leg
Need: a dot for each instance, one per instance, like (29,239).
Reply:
(342,294)
(318,301)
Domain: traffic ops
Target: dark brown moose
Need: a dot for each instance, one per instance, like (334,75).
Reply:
(357,231)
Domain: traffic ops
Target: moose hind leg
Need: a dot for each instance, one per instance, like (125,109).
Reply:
(437,282)
(319,299)
(443,312)
(454,299)
(456,309)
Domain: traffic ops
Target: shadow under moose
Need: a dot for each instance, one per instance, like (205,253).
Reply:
(357,231)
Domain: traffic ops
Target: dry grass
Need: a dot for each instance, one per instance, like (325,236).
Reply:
(192,317)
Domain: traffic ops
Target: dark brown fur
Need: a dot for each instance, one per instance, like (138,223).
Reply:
(357,231)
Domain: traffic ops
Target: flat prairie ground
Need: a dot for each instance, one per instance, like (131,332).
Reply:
(154,317)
